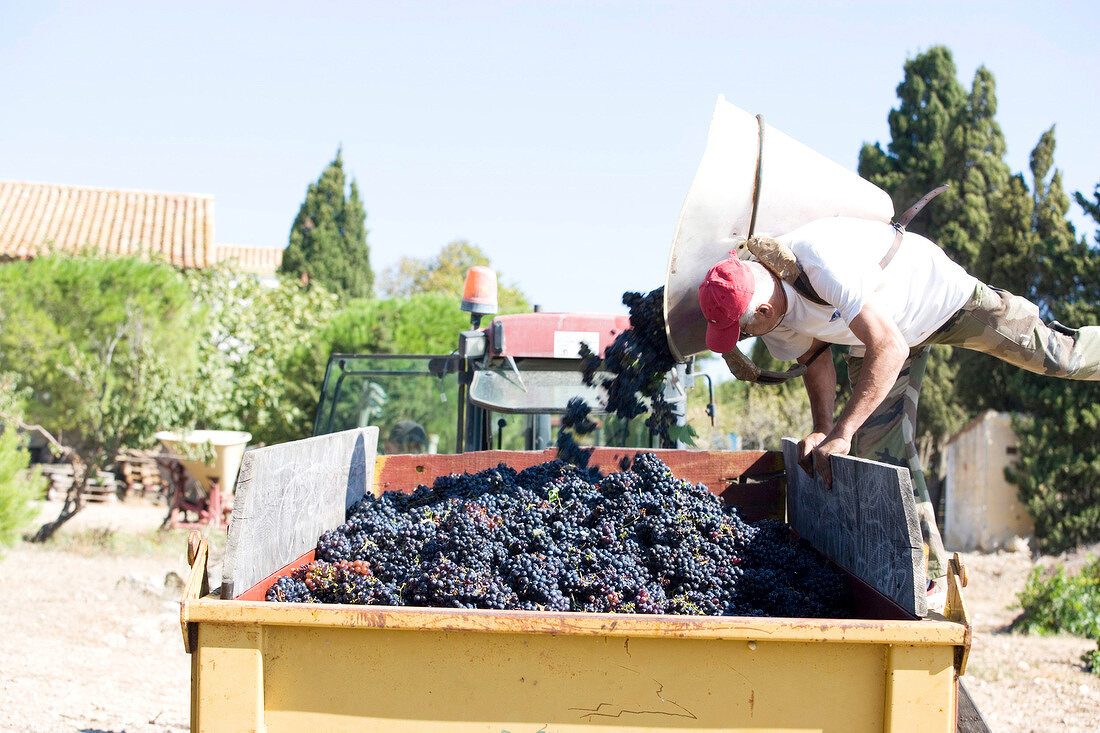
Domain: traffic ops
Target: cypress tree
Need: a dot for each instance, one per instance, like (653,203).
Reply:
(940,133)
(925,144)
(328,240)
(1011,237)
(1058,472)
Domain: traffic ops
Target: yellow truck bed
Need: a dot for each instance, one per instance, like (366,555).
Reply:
(301,667)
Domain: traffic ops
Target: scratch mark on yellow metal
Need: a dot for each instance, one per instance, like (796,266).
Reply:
(752,701)
(597,711)
(626,645)
(740,674)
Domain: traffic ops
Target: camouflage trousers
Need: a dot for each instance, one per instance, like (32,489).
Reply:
(889,436)
(994,322)
(1009,327)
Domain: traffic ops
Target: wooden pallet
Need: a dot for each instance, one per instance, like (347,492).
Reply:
(101,488)
(101,494)
(140,471)
(60,476)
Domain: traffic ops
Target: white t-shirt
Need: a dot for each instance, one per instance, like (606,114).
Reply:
(920,288)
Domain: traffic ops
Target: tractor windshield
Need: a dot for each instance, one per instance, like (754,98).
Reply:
(418,405)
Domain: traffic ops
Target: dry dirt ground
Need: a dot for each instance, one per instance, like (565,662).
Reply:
(1024,683)
(91,638)
(91,635)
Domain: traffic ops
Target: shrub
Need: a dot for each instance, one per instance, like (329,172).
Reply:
(19,490)
(1064,603)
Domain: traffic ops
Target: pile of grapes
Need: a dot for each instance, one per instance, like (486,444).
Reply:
(560,538)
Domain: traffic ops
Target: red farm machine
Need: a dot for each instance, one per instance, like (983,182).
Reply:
(507,380)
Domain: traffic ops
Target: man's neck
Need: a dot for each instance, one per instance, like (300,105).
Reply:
(779,297)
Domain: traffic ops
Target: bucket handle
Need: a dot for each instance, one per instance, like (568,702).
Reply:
(759,174)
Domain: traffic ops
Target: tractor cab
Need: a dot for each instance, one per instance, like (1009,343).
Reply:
(503,387)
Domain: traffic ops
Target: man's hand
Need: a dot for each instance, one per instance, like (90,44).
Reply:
(831,446)
(805,450)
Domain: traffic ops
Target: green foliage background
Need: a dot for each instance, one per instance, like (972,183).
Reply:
(246,344)
(421,323)
(110,350)
(761,416)
(446,273)
(422,315)
(1061,603)
(103,345)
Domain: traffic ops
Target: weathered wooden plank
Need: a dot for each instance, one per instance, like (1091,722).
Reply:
(866,523)
(287,495)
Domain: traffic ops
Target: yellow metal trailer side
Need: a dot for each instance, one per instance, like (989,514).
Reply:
(294,667)
(302,667)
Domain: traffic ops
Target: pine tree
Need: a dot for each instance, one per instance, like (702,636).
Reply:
(1058,472)
(328,240)
(1010,237)
(925,141)
(940,133)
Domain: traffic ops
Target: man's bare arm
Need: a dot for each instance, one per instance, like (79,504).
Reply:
(820,381)
(886,353)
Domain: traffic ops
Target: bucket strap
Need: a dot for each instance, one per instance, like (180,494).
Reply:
(904,219)
(759,175)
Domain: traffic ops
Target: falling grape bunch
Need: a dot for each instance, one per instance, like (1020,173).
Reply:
(555,537)
(637,361)
(632,375)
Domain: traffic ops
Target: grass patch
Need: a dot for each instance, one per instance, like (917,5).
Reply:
(105,541)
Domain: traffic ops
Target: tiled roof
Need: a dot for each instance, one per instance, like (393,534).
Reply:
(251,259)
(38,217)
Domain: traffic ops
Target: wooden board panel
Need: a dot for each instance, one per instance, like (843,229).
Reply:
(287,495)
(866,523)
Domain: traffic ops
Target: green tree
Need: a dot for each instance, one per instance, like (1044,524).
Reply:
(941,133)
(20,486)
(421,323)
(925,140)
(446,273)
(19,489)
(328,240)
(248,334)
(1058,471)
(1009,237)
(105,347)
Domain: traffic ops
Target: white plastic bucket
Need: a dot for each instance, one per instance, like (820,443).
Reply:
(228,446)
(797,186)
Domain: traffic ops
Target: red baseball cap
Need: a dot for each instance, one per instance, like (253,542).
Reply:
(724,296)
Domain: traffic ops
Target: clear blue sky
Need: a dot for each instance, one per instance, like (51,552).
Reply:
(560,137)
